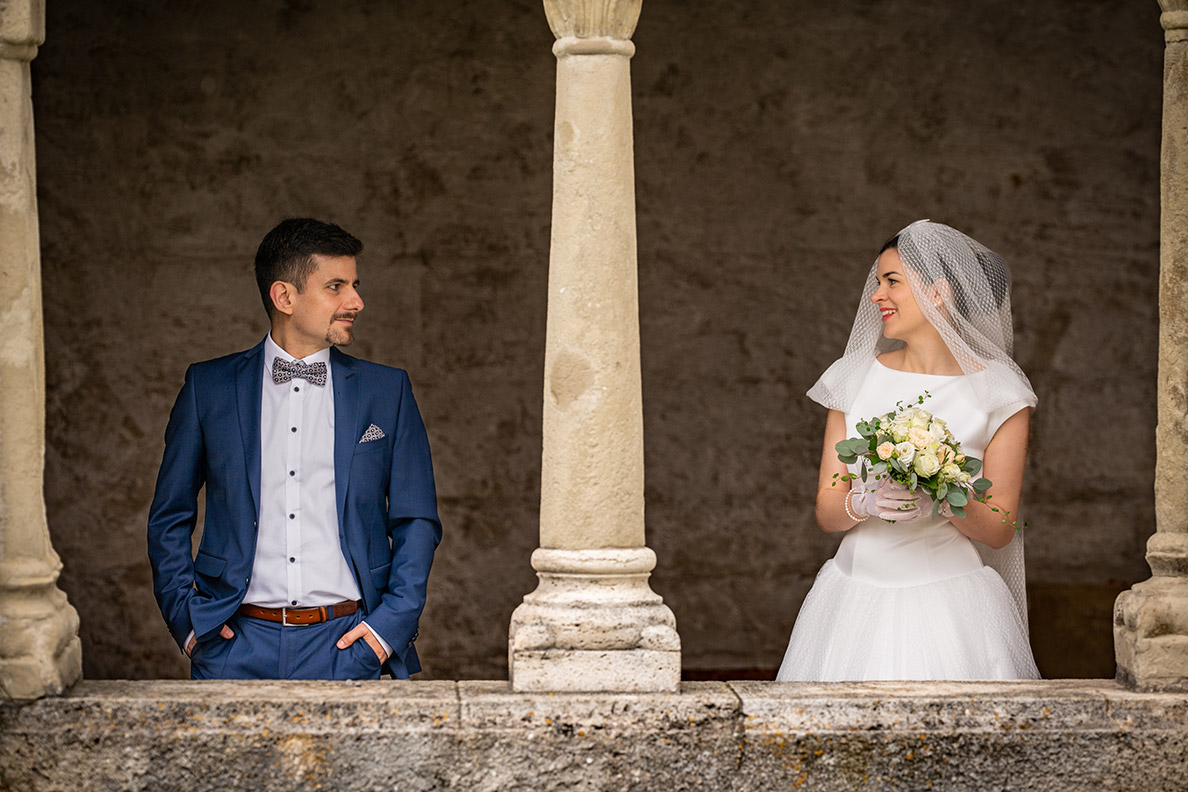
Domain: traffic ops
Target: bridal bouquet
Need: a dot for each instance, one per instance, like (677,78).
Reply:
(915,448)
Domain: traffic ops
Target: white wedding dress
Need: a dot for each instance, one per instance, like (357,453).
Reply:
(912,601)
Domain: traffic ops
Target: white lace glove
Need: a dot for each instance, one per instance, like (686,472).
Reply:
(865,502)
(896,503)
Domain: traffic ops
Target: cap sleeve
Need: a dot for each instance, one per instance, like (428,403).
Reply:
(1000,416)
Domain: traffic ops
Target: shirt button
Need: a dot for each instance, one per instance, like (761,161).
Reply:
(292,516)
(294,602)
(292,472)
(298,390)
(294,429)
(292,560)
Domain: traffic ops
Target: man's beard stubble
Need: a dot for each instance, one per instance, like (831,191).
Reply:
(341,336)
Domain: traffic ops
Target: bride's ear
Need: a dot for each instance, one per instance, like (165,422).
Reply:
(939,292)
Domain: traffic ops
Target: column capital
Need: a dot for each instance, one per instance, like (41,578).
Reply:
(586,19)
(1174,20)
(22,28)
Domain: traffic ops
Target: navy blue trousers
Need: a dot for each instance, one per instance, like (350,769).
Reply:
(269,650)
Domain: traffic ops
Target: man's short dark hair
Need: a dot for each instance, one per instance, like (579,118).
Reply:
(287,252)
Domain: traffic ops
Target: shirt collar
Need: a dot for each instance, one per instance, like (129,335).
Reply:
(273,350)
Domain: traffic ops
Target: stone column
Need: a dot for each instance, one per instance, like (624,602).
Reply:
(39,646)
(593,623)
(1151,619)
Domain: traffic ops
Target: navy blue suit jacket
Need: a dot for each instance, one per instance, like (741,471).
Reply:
(388,526)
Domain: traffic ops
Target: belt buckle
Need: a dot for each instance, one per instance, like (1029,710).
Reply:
(285,618)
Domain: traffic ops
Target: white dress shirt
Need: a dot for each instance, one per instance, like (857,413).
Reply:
(299,561)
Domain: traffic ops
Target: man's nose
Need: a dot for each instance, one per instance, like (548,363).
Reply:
(355,303)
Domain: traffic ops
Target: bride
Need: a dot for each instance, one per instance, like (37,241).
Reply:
(909,595)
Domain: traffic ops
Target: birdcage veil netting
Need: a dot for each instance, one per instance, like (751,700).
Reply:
(963,289)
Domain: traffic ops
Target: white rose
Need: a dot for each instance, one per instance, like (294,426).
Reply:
(920,418)
(926,464)
(919,437)
(885,450)
(937,430)
(950,472)
(906,452)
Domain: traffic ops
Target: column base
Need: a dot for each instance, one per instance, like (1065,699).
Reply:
(1151,635)
(40,654)
(594,625)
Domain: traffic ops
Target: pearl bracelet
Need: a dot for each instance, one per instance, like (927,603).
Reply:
(846,506)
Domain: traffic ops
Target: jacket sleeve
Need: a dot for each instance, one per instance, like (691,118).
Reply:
(174,512)
(413,526)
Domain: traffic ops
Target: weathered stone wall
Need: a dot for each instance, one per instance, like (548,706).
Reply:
(1040,737)
(777,144)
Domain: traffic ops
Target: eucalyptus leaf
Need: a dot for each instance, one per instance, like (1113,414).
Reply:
(981,485)
(958,511)
(855,446)
(958,497)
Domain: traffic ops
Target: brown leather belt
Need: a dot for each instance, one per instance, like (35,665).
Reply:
(317,615)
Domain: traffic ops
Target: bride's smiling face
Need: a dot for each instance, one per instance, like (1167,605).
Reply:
(897,305)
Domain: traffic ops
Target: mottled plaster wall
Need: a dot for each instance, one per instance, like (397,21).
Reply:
(777,144)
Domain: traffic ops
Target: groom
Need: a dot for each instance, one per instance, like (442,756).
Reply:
(321,513)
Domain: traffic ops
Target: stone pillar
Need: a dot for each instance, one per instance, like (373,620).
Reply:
(593,623)
(39,647)
(1151,619)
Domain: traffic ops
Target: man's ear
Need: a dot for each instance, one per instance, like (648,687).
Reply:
(282,295)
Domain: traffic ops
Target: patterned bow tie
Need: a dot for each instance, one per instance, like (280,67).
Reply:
(284,370)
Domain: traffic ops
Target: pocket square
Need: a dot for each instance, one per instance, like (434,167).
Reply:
(373,433)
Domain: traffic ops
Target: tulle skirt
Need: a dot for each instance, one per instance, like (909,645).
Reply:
(963,627)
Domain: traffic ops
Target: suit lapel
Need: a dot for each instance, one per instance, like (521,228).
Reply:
(248,380)
(346,435)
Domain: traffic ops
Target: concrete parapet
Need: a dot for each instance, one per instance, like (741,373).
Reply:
(480,735)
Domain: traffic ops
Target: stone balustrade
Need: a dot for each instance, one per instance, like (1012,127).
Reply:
(1070,735)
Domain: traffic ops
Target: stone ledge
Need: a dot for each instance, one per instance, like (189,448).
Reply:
(479,735)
